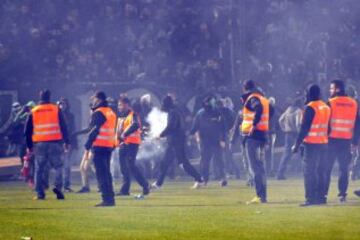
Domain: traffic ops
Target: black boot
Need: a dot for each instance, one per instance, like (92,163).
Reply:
(84,190)
(59,194)
(105,204)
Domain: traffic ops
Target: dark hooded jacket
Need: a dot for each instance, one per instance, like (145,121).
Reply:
(210,124)
(175,128)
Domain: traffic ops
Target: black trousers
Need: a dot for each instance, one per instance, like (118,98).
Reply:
(255,152)
(339,150)
(212,151)
(176,149)
(101,159)
(314,171)
(128,167)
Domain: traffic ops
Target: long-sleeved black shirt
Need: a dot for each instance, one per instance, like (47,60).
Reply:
(29,129)
(97,120)
(211,126)
(175,128)
(70,123)
(309,114)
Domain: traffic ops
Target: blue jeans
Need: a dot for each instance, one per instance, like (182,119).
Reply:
(47,154)
(67,168)
(255,151)
(290,139)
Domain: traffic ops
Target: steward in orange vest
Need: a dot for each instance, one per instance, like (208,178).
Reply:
(46,129)
(256,114)
(344,131)
(129,135)
(314,134)
(249,123)
(254,128)
(45,124)
(101,141)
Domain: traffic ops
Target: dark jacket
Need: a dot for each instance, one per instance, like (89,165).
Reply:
(70,123)
(175,129)
(307,119)
(29,128)
(228,116)
(211,126)
(97,120)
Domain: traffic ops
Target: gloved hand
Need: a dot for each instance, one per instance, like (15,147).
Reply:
(295,148)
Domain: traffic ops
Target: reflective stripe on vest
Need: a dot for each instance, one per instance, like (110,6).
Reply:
(119,126)
(318,133)
(46,125)
(135,137)
(106,136)
(343,115)
(248,116)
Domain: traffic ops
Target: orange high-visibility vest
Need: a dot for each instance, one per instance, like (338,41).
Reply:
(248,116)
(106,136)
(46,123)
(343,115)
(119,125)
(318,133)
(135,137)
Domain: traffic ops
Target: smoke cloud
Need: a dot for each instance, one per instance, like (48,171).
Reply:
(150,149)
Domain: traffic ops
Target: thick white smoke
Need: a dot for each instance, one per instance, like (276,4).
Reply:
(152,149)
(157,120)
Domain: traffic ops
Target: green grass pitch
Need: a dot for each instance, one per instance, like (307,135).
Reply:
(177,212)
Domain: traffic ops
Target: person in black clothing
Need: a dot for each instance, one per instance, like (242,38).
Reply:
(15,133)
(48,151)
(64,105)
(314,153)
(130,138)
(210,125)
(101,154)
(231,166)
(176,140)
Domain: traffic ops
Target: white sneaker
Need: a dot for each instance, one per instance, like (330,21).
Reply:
(154,186)
(139,197)
(197,185)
